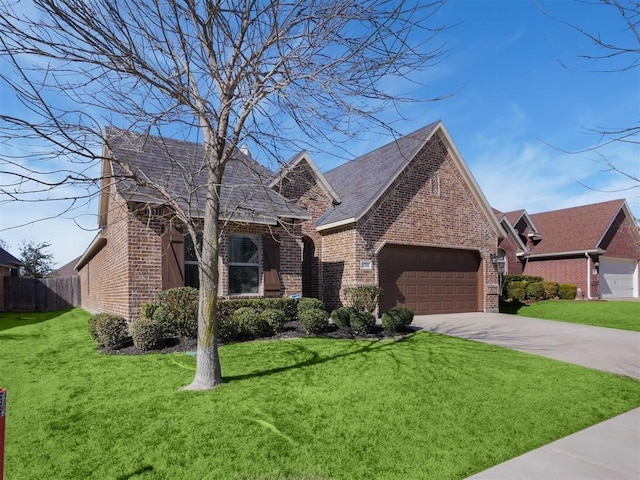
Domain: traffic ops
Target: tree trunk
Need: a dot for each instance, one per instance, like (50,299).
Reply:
(208,371)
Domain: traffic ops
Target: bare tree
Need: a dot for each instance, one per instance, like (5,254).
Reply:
(610,57)
(223,72)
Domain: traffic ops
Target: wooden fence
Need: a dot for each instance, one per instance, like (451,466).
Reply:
(41,294)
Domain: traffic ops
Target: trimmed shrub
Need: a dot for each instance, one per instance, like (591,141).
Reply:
(306,303)
(250,323)
(228,328)
(567,291)
(180,311)
(406,314)
(111,331)
(535,291)
(94,321)
(550,289)
(363,297)
(314,320)
(517,290)
(147,334)
(362,322)
(515,286)
(392,321)
(289,306)
(340,316)
(161,318)
(147,309)
(275,318)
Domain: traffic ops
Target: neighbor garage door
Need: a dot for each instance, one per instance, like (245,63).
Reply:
(429,280)
(618,277)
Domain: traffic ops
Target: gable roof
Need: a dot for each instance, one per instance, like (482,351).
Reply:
(296,160)
(67,270)
(8,260)
(575,229)
(179,167)
(515,216)
(362,181)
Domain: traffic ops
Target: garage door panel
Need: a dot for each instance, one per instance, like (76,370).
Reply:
(429,280)
(618,277)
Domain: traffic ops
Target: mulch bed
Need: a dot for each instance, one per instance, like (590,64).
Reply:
(293,330)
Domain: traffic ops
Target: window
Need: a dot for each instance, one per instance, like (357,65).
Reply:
(191,278)
(244,264)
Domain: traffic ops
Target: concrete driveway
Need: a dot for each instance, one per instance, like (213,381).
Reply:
(616,351)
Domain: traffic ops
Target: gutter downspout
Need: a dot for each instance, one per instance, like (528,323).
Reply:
(588,276)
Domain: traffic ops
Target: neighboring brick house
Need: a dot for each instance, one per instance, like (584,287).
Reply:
(596,247)
(408,216)
(9,267)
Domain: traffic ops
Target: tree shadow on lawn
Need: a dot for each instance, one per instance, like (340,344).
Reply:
(316,359)
(9,320)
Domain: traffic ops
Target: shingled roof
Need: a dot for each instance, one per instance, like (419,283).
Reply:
(361,181)
(179,166)
(8,260)
(575,229)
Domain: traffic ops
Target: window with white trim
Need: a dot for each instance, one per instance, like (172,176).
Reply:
(244,265)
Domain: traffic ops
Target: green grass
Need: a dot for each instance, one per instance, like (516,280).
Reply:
(612,314)
(429,406)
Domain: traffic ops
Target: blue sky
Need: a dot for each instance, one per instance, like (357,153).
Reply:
(520,99)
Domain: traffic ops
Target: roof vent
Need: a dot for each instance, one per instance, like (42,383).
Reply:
(245,149)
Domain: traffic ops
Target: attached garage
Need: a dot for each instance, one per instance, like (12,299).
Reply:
(618,277)
(430,280)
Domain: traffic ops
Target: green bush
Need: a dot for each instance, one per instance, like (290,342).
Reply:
(228,328)
(550,289)
(340,316)
(567,291)
(535,291)
(148,309)
(250,323)
(517,290)
(515,286)
(161,318)
(289,306)
(147,334)
(392,321)
(314,320)
(397,319)
(275,318)
(306,303)
(94,321)
(362,322)
(180,311)
(363,297)
(111,331)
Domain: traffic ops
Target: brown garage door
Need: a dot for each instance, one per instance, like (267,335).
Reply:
(429,280)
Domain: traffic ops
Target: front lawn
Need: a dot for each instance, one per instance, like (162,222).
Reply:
(612,314)
(428,406)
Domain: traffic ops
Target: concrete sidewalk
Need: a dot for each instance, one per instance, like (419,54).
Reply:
(607,451)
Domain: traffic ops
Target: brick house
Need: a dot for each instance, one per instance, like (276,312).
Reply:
(408,216)
(596,247)
(9,267)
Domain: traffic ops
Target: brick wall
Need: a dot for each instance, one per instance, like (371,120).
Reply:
(301,186)
(510,247)
(104,280)
(565,270)
(339,268)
